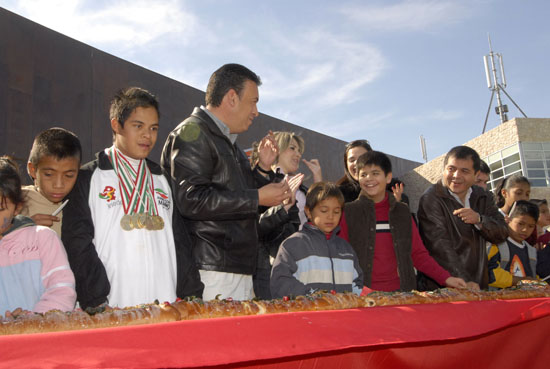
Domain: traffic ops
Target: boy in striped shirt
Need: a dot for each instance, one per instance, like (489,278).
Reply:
(382,233)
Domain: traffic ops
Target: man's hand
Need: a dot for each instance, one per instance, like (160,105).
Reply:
(315,168)
(473,286)
(267,151)
(455,282)
(44,219)
(468,215)
(274,194)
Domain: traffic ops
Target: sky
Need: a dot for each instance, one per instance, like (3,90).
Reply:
(382,70)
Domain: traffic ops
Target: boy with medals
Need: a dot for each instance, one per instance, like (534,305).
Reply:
(123,241)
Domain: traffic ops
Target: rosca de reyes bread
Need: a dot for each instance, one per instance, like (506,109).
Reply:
(191,309)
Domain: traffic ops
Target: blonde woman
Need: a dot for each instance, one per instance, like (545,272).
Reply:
(291,148)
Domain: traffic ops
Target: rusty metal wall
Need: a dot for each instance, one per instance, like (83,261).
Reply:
(48,79)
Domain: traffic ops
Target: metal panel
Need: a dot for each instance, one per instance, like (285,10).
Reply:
(48,79)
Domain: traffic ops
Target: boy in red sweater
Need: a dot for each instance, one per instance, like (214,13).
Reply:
(383,234)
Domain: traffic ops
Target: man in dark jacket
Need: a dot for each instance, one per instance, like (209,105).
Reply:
(214,188)
(456,219)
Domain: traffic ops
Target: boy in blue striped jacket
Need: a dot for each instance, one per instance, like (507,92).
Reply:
(315,258)
(514,259)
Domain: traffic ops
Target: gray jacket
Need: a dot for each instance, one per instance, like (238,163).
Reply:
(307,261)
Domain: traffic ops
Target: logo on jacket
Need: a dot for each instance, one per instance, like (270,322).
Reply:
(108,194)
(516,267)
(163,198)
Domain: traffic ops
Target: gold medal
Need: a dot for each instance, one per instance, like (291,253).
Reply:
(149,223)
(134,220)
(126,223)
(159,222)
(141,218)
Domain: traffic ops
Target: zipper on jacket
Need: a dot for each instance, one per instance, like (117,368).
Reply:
(331,266)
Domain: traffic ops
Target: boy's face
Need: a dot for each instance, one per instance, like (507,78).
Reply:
(520,227)
(482,179)
(54,178)
(544,216)
(139,134)
(326,215)
(373,181)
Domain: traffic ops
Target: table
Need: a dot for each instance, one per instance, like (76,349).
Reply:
(499,334)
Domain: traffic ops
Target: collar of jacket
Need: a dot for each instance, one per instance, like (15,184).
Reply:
(442,191)
(312,228)
(210,124)
(19,221)
(104,163)
(363,198)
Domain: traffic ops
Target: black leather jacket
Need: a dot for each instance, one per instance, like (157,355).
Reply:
(215,192)
(456,246)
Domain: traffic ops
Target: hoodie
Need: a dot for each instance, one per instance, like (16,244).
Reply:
(34,270)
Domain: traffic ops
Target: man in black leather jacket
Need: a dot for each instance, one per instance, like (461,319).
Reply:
(456,219)
(214,188)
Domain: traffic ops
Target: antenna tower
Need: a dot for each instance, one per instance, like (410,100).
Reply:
(423,149)
(495,86)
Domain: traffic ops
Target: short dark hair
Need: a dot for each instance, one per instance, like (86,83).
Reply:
(10,182)
(351,145)
(320,191)
(484,168)
(506,184)
(57,142)
(374,158)
(463,152)
(524,207)
(227,77)
(539,202)
(129,99)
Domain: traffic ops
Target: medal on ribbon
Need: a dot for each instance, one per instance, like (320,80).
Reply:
(137,193)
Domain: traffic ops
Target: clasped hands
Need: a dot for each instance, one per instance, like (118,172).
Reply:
(283,192)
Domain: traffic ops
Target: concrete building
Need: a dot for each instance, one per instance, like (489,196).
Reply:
(520,145)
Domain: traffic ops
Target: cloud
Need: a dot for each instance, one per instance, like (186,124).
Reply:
(350,127)
(124,24)
(362,126)
(307,69)
(308,64)
(408,15)
(382,123)
(325,69)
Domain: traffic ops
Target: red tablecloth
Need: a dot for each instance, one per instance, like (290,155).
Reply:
(462,334)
